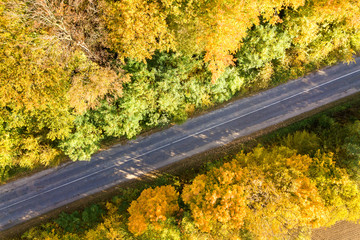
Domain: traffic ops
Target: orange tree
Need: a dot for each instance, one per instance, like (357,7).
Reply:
(152,208)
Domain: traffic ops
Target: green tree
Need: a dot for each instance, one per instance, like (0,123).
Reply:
(303,142)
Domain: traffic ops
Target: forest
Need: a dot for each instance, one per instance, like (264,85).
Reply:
(77,73)
(279,186)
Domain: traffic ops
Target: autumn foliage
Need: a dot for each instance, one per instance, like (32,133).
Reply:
(153,207)
(273,193)
(76,72)
(270,192)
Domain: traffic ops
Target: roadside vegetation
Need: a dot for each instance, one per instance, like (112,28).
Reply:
(76,73)
(279,186)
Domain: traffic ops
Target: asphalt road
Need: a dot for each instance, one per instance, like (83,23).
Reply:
(33,196)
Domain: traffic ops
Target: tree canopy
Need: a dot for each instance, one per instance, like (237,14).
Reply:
(76,72)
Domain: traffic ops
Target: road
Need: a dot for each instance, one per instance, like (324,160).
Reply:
(33,196)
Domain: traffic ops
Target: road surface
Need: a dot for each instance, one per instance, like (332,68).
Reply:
(33,196)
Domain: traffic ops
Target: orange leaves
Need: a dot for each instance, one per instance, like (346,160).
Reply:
(313,210)
(152,207)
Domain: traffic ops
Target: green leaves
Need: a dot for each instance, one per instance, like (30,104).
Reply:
(262,45)
(66,59)
(303,142)
(77,222)
(341,195)
(81,144)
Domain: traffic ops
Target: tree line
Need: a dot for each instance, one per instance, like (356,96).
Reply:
(76,72)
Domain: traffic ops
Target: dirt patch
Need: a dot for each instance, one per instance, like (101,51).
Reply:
(342,230)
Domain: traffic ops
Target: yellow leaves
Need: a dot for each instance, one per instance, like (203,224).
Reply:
(28,151)
(40,84)
(337,10)
(153,207)
(313,211)
(137,28)
(137,224)
(265,75)
(273,191)
(225,23)
(91,83)
(111,228)
(323,30)
(198,186)
(215,198)
(300,163)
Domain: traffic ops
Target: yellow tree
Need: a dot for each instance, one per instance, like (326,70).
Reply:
(137,28)
(341,194)
(221,25)
(33,83)
(217,200)
(267,190)
(42,87)
(321,28)
(283,197)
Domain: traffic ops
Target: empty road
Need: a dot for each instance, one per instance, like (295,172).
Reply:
(33,196)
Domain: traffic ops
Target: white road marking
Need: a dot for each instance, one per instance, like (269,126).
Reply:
(181,139)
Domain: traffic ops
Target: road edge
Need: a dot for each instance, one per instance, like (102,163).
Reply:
(195,161)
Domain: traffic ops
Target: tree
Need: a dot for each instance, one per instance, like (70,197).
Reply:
(43,86)
(78,24)
(33,83)
(220,27)
(262,44)
(340,193)
(91,83)
(323,31)
(138,28)
(268,191)
(153,207)
(303,142)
